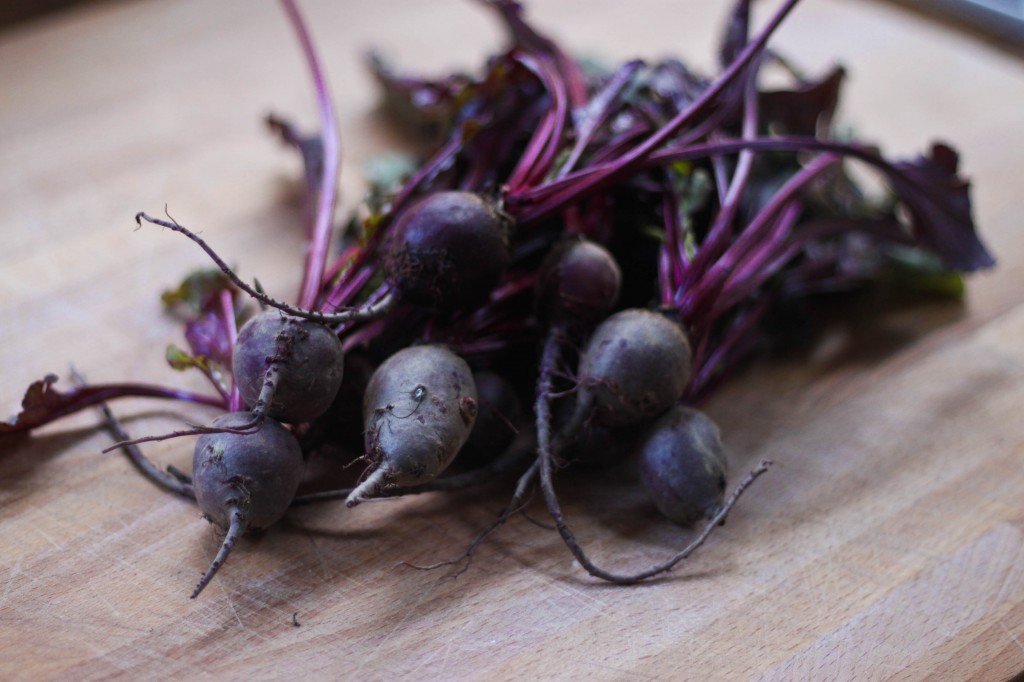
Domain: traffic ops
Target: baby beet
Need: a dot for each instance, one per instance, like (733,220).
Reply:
(683,466)
(342,423)
(305,356)
(448,251)
(418,410)
(579,285)
(635,366)
(497,420)
(244,481)
(580,281)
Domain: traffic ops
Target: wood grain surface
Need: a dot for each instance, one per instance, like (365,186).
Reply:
(887,543)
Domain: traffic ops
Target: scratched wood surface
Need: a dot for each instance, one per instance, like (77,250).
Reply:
(887,543)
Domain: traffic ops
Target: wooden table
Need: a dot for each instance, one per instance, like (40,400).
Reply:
(887,542)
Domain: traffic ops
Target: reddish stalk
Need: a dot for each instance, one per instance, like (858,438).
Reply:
(540,154)
(316,255)
(592,180)
(718,235)
(228,307)
(602,102)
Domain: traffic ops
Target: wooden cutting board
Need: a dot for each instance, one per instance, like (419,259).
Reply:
(888,542)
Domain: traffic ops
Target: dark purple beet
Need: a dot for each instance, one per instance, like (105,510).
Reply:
(683,466)
(499,413)
(341,425)
(418,410)
(267,464)
(244,481)
(310,364)
(580,281)
(447,251)
(635,366)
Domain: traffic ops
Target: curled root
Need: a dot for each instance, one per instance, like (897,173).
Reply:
(369,312)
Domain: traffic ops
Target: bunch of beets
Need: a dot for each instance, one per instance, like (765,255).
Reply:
(602,245)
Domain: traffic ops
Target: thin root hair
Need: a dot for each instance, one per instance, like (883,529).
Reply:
(373,311)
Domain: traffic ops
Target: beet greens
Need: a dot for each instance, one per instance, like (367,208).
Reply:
(607,246)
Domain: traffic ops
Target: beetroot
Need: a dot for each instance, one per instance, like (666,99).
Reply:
(497,421)
(683,466)
(580,281)
(244,481)
(305,356)
(635,366)
(448,251)
(418,410)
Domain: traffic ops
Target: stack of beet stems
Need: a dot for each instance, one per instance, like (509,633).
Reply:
(733,219)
